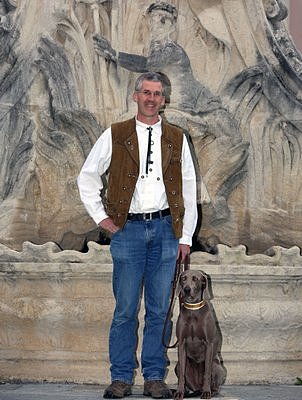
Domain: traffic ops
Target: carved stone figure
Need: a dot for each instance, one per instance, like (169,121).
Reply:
(189,103)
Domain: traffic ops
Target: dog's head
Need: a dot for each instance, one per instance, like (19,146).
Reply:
(193,286)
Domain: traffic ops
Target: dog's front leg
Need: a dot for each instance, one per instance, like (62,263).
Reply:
(206,387)
(182,357)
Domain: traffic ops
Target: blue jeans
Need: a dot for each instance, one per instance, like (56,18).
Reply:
(144,255)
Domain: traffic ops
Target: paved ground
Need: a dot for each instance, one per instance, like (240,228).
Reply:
(94,392)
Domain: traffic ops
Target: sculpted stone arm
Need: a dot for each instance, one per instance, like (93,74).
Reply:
(132,62)
(171,56)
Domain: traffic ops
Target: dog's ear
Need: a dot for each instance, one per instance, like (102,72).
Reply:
(206,292)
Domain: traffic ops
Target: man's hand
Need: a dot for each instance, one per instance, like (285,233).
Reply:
(183,252)
(108,225)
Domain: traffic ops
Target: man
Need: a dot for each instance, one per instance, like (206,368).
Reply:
(151,213)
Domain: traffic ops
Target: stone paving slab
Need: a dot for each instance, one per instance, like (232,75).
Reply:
(94,392)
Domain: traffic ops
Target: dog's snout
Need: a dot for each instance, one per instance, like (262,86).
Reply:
(187,289)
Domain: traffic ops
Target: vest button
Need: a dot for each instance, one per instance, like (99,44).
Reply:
(142,176)
(158,178)
(171,179)
(124,188)
(170,145)
(173,192)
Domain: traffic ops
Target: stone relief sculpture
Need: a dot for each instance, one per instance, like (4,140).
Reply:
(41,122)
(189,102)
(67,69)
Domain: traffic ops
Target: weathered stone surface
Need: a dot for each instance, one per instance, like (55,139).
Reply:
(236,87)
(51,252)
(55,314)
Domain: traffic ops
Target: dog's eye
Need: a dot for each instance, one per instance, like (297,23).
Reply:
(194,279)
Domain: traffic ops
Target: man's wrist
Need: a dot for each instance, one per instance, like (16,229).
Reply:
(101,218)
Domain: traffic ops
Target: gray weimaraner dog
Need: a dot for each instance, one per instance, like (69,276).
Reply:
(199,369)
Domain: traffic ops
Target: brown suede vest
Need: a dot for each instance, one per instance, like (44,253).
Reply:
(124,170)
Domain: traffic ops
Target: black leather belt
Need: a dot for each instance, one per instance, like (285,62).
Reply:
(148,216)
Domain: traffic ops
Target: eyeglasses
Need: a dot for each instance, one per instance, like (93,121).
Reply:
(149,93)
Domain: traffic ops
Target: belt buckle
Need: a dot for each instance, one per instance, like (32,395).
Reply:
(147,216)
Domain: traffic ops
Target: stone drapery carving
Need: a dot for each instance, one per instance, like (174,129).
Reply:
(240,100)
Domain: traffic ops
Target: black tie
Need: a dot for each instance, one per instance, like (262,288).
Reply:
(148,159)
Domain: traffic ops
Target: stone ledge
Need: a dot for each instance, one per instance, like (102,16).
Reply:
(50,252)
(55,315)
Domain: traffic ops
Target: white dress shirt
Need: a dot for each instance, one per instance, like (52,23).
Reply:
(149,194)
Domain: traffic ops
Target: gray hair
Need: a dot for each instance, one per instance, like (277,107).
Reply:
(152,77)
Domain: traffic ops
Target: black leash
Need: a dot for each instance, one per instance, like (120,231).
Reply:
(179,267)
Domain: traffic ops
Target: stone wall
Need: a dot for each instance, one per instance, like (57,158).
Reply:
(67,70)
(56,307)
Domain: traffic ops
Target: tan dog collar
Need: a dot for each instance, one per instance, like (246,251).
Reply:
(195,306)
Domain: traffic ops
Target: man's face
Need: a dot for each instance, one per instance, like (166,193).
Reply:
(149,101)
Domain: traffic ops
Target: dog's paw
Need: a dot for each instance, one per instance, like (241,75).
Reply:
(205,395)
(178,395)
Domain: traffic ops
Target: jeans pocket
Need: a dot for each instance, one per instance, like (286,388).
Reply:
(168,220)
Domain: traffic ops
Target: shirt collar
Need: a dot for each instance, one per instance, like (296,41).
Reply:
(145,126)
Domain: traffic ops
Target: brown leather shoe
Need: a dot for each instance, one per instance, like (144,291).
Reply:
(157,390)
(117,390)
